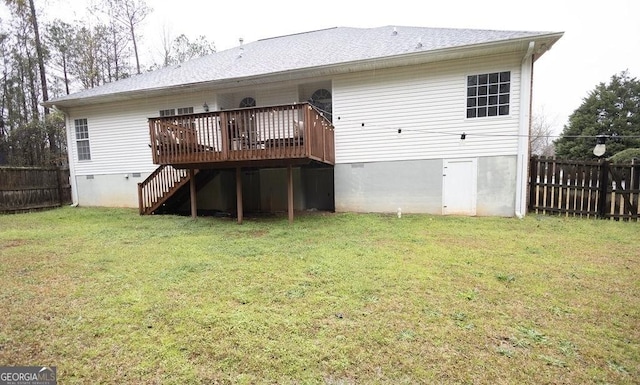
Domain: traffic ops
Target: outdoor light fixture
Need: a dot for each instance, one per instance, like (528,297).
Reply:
(463,139)
(205,106)
(600,147)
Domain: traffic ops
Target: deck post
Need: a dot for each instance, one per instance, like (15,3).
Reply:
(239,193)
(140,206)
(290,192)
(192,193)
(224,134)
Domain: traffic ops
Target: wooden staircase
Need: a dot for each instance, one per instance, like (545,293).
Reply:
(167,188)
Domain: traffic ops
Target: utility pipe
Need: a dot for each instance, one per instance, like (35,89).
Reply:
(526,78)
(70,142)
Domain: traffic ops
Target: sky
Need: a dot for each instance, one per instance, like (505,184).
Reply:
(601,38)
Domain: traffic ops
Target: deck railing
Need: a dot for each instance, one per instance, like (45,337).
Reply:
(296,131)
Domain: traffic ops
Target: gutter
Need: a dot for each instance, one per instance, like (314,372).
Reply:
(522,172)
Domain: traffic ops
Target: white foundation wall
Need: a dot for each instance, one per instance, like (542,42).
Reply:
(416,186)
(109,190)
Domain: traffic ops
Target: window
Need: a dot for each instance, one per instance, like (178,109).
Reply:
(488,94)
(247,102)
(168,112)
(185,110)
(321,99)
(82,139)
(172,111)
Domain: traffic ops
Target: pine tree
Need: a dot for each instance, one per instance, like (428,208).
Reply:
(612,110)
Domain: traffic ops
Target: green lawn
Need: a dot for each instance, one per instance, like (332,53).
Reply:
(108,296)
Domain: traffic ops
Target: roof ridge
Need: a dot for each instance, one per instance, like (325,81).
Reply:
(340,46)
(297,33)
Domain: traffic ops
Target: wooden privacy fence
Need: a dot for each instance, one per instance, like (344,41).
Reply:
(33,188)
(596,189)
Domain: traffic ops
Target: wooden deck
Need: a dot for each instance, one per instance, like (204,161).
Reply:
(274,136)
(250,137)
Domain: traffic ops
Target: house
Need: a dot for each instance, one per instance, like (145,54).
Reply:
(421,120)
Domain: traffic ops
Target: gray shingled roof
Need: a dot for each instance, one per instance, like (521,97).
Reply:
(299,51)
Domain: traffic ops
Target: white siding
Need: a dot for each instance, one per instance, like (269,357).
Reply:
(271,97)
(267,96)
(428,103)
(119,133)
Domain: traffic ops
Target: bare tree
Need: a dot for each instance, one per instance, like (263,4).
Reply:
(27,10)
(22,84)
(166,42)
(85,65)
(128,14)
(181,49)
(541,135)
(60,36)
(117,40)
(131,13)
(40,57)
(135,11)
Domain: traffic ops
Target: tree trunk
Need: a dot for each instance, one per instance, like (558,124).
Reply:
(64,71)
(51,134)
(35,113)
(43,75)
(135,48)
(22,97)
(115,50)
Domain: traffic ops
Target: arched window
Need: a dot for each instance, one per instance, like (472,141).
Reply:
(321,99)
(247,102)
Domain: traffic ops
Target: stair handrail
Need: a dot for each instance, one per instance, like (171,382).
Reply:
(159,186)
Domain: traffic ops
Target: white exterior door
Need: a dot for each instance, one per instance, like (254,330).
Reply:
(459,186)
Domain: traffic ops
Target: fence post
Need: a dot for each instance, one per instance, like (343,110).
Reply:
(533,180)
(635,173)
(634,184)
(604,186)
(60,191)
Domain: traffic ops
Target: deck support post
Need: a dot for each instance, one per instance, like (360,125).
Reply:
(192,193)
(290,192)
(239,193)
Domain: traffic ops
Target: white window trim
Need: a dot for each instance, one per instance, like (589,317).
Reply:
(510,115)
(87,139)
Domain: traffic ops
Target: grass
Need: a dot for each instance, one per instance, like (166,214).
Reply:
(108,296)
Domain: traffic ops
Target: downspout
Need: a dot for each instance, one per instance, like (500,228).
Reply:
(526,78)
(72,167)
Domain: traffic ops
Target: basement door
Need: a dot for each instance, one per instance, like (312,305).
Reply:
(459,186)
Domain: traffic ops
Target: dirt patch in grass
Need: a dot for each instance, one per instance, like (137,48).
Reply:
(257,233)
(13,243)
